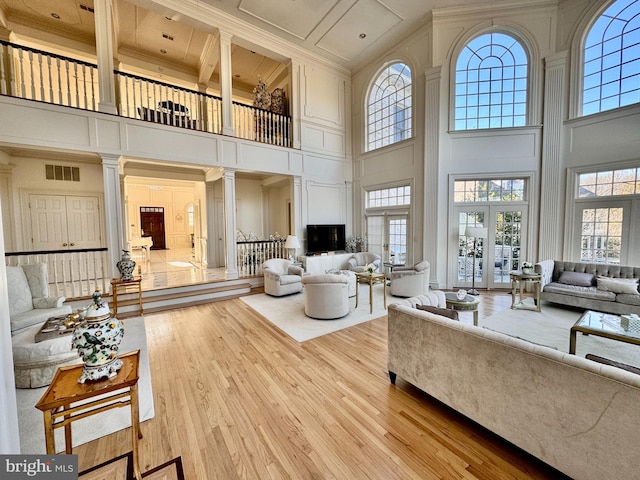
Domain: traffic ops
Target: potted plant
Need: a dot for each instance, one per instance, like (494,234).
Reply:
(527,268)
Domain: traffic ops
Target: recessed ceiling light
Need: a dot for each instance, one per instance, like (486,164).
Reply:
(162,50)
(362,35)
(56,16)
(237,75)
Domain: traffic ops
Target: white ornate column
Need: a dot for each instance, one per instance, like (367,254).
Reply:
(296,101)
(431,250)
(9,434)
(226,84)
(104,56)
(230,248)
(552,174)
(114,233)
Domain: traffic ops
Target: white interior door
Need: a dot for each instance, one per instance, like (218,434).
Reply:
(48,222)
(64,222)
(83,222)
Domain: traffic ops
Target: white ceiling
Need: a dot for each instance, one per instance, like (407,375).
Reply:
(154,34)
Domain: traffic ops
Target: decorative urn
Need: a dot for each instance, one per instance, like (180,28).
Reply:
(125,266)
(97,339)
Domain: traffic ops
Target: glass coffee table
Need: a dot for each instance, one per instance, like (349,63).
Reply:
(624,328)
(467,304)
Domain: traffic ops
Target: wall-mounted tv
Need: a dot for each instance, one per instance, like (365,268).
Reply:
(325,238)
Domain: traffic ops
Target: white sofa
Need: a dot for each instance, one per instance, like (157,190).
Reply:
(281,277)
(29,301)
(410,281)
(576,415)
(29,307)
(591,286)
(326,297)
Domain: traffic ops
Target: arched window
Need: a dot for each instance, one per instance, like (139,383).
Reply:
(491,83)
(612,59)
(389,107)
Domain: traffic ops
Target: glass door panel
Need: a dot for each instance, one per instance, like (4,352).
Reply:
(470,249)
(375,234)
(507,246)
(397,239)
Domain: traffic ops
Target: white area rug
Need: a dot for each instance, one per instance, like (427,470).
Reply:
(30,419)
(287,313)
(551,328)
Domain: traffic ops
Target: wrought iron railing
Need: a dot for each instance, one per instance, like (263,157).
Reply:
(72,273)
(158,102)
(47,77)
(251,255)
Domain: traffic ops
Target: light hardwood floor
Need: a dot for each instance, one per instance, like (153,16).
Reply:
(237,398)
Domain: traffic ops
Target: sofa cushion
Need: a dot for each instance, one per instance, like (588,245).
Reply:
(445,312)
(584,292)
(580,279)
(19,293)
(628,299)
(613,363)
(618,285)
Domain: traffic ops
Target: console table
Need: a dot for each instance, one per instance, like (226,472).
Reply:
(123,287)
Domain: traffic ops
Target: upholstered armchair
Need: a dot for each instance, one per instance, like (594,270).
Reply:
(281,278)
(29,301)
(410,281)
(358,261)
(326,296)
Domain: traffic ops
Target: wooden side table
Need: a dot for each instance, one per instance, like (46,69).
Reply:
(518,280)
(123,287)
(58,404)
(371,279)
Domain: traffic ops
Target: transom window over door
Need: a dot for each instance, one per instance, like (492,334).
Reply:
(491,83)
(389,112)
(611,73)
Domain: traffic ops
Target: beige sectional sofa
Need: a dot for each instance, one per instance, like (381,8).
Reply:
(592,286)
(576,415)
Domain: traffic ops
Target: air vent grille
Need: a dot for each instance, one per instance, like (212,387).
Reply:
(61,172)
(88,9)
(167,36)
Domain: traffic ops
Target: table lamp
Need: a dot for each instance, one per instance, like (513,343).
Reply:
(291,243)
(476,233)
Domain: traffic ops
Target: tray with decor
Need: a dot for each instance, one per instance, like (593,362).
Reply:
(57,326)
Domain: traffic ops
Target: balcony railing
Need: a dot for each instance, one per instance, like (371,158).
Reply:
(251,254)
(46,77)
(72,273)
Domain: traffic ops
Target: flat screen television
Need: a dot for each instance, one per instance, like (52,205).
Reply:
(325,238)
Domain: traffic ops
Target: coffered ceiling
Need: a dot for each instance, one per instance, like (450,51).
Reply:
(161,35)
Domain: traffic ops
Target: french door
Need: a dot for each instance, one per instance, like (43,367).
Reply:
(387,236)
(489,259)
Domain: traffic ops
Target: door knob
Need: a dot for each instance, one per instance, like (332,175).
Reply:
(64,244)
(72,244)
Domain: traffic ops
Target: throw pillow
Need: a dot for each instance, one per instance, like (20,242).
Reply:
(445,312)
(618,285)
(579,279)
(613,363)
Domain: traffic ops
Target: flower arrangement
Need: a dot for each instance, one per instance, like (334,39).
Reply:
(354,244)
(527,265)
(370,268)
